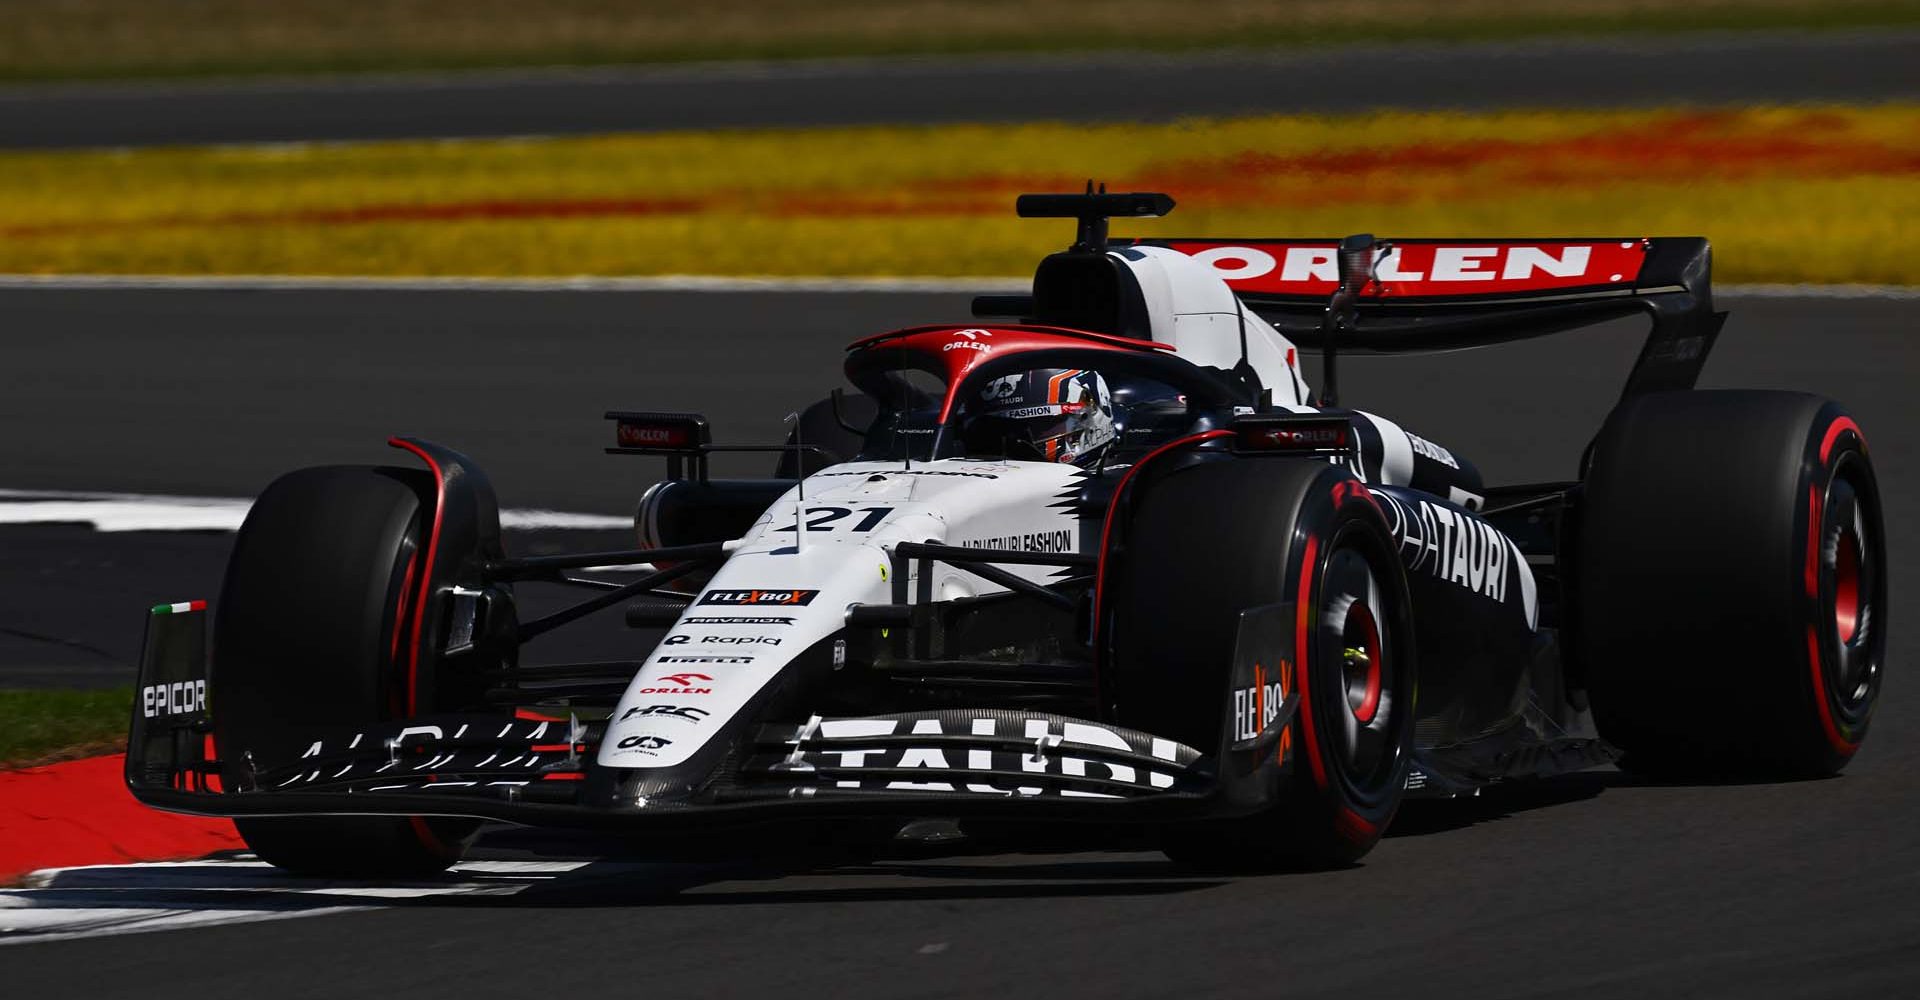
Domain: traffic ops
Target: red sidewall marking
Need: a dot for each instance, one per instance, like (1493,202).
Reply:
(1303,603)
(1835,738)
(400,613)
(1834,430)
(426,578)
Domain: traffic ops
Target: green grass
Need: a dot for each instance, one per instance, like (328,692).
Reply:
(38,727)
(99,39)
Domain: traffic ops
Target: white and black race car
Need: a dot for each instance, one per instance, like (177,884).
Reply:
(1113,561)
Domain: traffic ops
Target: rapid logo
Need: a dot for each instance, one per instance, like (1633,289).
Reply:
(737,598)
(681,684)
(178,698)
(724,640)
(681,712)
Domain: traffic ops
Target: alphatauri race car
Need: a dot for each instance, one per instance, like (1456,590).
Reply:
(1100,555)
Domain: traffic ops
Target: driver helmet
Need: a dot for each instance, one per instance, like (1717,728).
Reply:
(1047,415)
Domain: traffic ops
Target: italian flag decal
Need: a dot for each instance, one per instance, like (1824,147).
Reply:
(179,609)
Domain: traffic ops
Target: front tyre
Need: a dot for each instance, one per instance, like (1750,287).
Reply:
(1209,541)
(309,634)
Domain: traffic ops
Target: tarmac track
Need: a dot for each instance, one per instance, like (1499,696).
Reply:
(1688,70)
(1586,886)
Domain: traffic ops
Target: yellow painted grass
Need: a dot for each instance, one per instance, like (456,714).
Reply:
(1787,194)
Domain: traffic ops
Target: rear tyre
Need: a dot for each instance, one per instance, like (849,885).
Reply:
(1731,584)
(310,634)
(1212,540)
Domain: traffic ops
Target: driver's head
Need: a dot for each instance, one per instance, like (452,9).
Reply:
(1045,415)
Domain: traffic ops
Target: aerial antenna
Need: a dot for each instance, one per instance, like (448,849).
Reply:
(799,485)
(1358,258)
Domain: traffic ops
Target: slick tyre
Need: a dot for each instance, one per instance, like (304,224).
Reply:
(1730,584)
(306,636)
(1211,540)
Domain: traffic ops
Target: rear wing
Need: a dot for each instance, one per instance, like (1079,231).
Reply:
(1447,294)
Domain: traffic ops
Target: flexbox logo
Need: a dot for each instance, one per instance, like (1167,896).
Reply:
(748,597)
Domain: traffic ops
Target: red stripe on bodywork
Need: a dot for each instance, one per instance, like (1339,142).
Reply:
(426,578)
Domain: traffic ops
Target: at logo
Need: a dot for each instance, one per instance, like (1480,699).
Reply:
(644,743)
(743,597)
(1001,389)
(666,711)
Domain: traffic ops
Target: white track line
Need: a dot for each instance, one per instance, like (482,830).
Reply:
(102,900)
(709,283)
(143,512)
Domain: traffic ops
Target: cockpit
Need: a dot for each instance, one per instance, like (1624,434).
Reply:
(1029,394)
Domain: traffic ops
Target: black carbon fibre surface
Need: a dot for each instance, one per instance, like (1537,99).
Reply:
(1587,886)
(1728,69)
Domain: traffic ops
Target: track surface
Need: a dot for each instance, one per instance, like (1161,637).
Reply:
(1866,66)
(1590,886)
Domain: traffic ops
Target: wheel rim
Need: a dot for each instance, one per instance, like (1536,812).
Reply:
(1853,594)
(1362,709)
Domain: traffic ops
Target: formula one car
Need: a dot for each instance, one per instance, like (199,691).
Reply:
(1100,555)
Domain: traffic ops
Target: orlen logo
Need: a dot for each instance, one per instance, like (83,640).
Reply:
(971,341)
(1321,437)
(1417,268)
(680,684)
(649,436)
(740,597)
